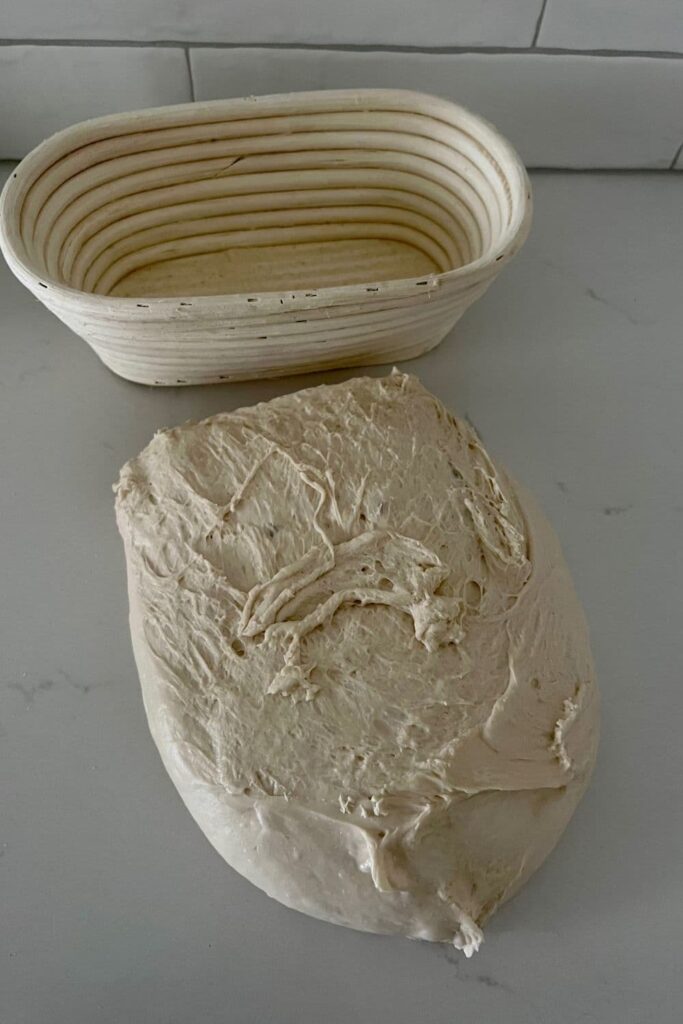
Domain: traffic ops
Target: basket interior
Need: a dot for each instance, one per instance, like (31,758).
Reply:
(272,202)
(291,267)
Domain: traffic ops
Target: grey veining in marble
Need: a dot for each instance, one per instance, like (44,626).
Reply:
(113,907)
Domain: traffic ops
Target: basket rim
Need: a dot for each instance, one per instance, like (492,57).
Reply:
(51,150)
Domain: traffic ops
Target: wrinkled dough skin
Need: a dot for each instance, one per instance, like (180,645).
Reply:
(361,655)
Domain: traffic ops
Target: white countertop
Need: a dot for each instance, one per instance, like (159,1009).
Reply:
(114,909)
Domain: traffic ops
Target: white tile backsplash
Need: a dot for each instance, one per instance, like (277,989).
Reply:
(45,88)
(390,22)
(613,25)
(558,110)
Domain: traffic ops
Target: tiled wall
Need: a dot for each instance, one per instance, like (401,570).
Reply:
(573,83)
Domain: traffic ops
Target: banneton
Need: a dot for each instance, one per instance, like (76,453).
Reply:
(361,655)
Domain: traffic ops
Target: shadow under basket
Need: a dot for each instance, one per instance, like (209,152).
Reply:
(265,236)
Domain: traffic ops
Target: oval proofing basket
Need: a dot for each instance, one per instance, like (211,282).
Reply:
(264,236)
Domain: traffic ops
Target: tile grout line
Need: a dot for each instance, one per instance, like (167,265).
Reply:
(188,61)
(539,22)
(644,169)
(672,165)
(348,47)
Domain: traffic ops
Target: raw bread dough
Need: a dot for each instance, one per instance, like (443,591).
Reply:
(361,655)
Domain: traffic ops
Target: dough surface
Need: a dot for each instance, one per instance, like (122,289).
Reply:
(361,655)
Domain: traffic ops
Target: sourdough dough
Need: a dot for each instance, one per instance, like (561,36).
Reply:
(361,655)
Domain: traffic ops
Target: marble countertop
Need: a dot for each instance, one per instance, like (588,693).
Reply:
(113,906)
